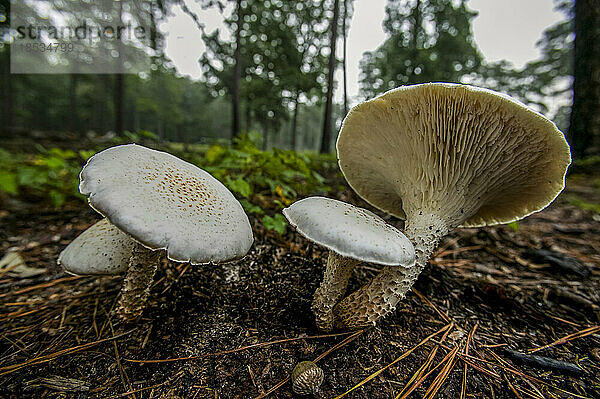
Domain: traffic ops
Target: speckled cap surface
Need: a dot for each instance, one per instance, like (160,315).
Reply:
(468,155)
(101,249)
(166,203)
(350,231)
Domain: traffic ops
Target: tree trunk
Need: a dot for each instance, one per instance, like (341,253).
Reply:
(73,122)
(295,122)
(7,97)
(417,22)
(102,83)
(237,73)
(327,123)
(119,92)
(584,129)
(265,136)
(248,117)
(344,58)
(119,85)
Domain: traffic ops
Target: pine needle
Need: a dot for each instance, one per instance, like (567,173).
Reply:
(46,358)
(568,338)
(442,376)
(424,298)
(463,389)
(405,354)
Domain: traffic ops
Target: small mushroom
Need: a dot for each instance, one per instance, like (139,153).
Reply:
(163,203)
(307,378)
(352,235)
(102,249)
(443,155)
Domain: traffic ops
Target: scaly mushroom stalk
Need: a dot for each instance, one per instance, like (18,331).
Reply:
(380,297)
(136,287)
(352,235)
(163,203)
(333,287)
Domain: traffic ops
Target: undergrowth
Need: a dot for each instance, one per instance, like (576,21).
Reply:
(263,181)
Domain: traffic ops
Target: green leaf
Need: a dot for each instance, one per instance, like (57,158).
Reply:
(8,182)
(249,207)
(240,186)
(86,154)
(513,225)
(54,162)
(214,153)
(277,223)
(31,176)
(60,153)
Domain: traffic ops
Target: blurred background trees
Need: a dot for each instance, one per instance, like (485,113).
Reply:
(273,72)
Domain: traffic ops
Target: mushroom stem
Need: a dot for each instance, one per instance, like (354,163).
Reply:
(136,287)
(380,297)
(333,287)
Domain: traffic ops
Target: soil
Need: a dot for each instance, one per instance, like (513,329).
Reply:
(237,330)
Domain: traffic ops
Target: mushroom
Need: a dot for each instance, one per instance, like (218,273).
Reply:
(443,155)
(307,378)
(352,235)
(163,203)
(100,250)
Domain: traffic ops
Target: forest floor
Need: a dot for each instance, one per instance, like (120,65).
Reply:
(237,330)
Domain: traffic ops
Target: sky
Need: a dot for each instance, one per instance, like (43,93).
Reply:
(504,29)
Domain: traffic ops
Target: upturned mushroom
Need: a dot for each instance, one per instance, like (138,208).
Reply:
(162,203)
(440,156)
(352,235)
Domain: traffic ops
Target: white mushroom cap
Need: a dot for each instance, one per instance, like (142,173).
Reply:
(101,249)
(166,203)
(467,155)
(350,231)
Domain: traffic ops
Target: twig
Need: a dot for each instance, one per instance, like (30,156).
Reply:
(544,362)
(568,338)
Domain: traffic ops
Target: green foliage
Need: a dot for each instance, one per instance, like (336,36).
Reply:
(264,181)
(541,80)
(514,225)
(254,174)
(280,58)
(277,223)
(135,137)
(588,161)
(428,41)
(582,204)
(51,175)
